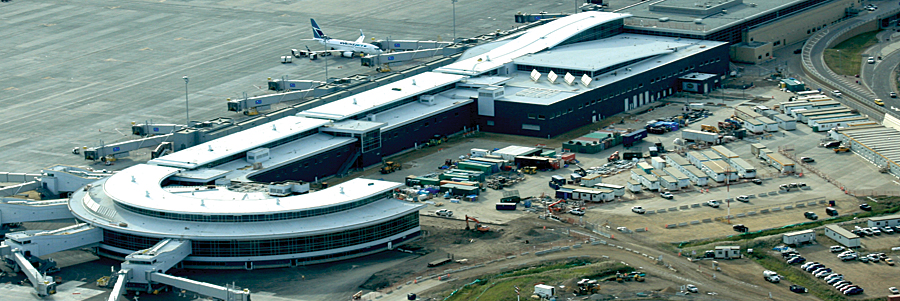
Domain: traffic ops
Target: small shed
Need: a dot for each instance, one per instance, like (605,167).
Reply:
(798,237)
(683,180)
(769,124)
(887,220)
(590,180)
(744,169)
(793,85)
(593,195)
(728,252)
(780,162)
(618,190)
(755,147)
(754,125)
(842,236)
(658,163)
(785,123)
(668,183)
(696,158)
(633,186)
(696,175)
(646,167)
(676,160)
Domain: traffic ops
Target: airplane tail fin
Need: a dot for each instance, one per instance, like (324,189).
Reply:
(317,32)
(361,38)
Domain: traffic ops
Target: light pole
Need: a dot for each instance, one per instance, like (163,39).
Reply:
(187,112)
(454,18)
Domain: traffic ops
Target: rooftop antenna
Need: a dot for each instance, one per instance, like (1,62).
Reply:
(414,82)
(273,128)
(210,147)
(354,100)
(132,179)
(342,190)
(202,203)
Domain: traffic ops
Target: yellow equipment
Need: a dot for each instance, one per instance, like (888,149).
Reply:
(383,68)
(587,287)
(841,149)
(529,170)
(708,128)
(390,166)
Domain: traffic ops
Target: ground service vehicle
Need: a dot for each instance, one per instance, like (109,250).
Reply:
(390,166)
(879,102)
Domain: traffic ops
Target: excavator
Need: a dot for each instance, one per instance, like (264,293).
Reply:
(580,171)
(478,225)
(554,207)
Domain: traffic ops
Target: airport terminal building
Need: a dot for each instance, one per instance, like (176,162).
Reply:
(553,78)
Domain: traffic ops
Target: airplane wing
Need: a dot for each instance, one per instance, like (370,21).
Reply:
(361,37)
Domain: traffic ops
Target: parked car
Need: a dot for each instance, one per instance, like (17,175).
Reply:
(835,249)
(873,257)
(867,231)
(796,260)
(887,230)
(798,50)
(894,290)
(893,94)
(576,212)
(847,257)
(863,259)
(638,210)
(444,212)
(740,228)
(875,231)
(692,288)
(870,60)
(756,181)
(831,144)
(807,160)
(814,267)
(805,265)
(836,93)
(823,274)
(743,198)
(811,215)
(889,261)
(667,195)
(879,102)
(712,203)
(798,289)
(865,207)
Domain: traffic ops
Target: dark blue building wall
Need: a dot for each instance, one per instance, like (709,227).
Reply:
(321,165)
(446,123)
(603,102)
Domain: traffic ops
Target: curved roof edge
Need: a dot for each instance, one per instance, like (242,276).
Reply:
(535,40)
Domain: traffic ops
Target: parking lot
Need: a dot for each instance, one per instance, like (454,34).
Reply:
(874,278)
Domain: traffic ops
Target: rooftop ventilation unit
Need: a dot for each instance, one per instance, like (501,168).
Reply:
(698,21)
(664,19)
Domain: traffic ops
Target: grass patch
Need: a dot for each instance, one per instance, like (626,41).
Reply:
(845,58)
(817,287)
(502,286)
(884,206)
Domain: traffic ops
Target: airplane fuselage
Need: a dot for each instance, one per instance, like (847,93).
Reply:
(350,46)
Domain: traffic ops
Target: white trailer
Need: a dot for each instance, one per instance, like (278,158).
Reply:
(798,237)
(842,236)
(697,136)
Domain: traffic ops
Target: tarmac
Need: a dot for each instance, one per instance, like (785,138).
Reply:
(77,74)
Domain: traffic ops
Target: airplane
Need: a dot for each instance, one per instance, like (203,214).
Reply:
(345,48)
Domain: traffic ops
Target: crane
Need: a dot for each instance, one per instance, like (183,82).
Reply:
(478,225)
(614,157)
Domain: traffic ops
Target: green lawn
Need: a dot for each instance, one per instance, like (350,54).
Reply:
(845,58)
(502,286)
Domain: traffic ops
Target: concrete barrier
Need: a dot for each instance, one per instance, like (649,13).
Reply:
(566,248)
(670,226)
(729,216)
(511,257)
(683,207)
(773,192)
(577,246)
(640,230)
(695,222)
(661,211)
(741,215)
(762,194)
(800,205)
(788,207)
(751,213)
(822,201)
(764,211)
(695,205)
(673,209)
(729,200)
(682,224)
(806,187)
(523,253)
(628,249)
(707,220)
(813,203)
(751,196)
(776,209)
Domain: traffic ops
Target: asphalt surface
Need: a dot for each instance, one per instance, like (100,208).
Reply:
(879,76)
(76,74)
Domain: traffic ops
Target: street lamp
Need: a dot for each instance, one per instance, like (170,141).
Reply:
(187,112)
(454,18)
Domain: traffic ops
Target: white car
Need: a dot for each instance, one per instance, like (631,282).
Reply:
(836,93)
(576,212)
(743,198)
(835,249)
(894,290)
(692,288)
(871,60)
(638,210)
(667,195)
(713,203)
(444,212)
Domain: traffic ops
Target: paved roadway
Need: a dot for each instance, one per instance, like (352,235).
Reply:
(879,76)
(78,73)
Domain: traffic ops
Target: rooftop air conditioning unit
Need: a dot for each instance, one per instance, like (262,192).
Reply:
(664,19)
(698,21)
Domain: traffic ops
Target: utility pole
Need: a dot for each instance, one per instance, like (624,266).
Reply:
(454,19)
(187,111)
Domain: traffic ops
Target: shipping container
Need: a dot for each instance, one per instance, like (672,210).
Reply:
(506,206)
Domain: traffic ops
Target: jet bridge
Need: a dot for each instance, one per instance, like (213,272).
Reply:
(143,271)
(21,249)
(121,149)
(402,56)
(13,211)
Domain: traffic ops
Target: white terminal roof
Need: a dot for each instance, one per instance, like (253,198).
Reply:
(371,99)
(243,141)
(649,52)
(535,40)
(139,186)
(415,111)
